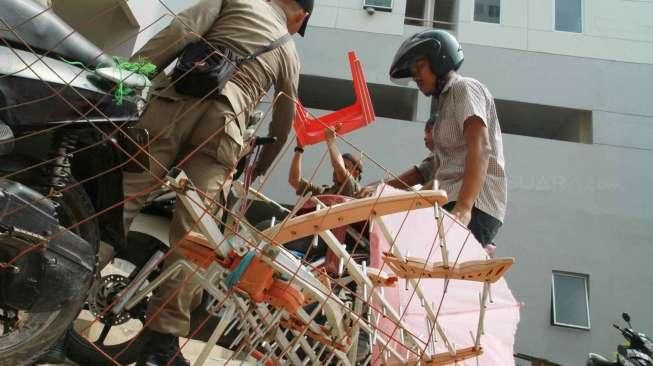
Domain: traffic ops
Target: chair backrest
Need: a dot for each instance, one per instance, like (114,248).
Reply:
(358,115)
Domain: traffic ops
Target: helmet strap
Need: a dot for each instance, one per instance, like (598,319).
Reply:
(439,85)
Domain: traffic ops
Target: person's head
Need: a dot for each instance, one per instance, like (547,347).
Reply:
(427,57)
(353,166)
(428,133)
(297,14)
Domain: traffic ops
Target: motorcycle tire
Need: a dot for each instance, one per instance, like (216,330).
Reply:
(36,334)
(39,330)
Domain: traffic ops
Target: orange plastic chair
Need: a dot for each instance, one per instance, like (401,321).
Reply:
(360,114)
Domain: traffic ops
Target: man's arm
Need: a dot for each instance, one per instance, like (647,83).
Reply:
(282,116)
(419,174)
(295,174)
(406,179)
(184,29)
(476,163)
(337,162)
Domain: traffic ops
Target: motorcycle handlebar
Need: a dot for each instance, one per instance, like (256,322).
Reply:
(264,141)
(628,334)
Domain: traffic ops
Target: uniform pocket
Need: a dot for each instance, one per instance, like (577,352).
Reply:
(230,144)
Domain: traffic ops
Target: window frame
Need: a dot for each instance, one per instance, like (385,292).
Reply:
(582,18)
(585,278)
(484,22)
(379,7)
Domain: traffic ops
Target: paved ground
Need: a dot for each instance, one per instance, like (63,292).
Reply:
(192,350)
(119,334)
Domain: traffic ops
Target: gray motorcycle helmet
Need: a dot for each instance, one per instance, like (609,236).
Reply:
(441,48)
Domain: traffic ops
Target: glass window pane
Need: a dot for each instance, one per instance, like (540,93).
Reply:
(570,300)
(569,16)
(383,4)
(487,11)
(443,14)
(415,10)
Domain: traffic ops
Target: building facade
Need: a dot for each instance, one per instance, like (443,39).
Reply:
(573,84)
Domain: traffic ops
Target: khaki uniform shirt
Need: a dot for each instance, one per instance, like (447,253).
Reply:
(244,26)
(461,98)
(348,188)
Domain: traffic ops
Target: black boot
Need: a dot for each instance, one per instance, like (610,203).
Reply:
(160,349)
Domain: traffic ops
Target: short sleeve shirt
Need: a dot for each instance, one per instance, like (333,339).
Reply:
(462,98)
(348,188)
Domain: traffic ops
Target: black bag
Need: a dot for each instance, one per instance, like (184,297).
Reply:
(203,69)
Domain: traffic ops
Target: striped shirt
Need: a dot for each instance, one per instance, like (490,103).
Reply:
(462,98)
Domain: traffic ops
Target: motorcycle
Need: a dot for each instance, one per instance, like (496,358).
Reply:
(59,170)
(637,351)
(137,263)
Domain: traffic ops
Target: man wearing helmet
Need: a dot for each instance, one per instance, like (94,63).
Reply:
(467,146)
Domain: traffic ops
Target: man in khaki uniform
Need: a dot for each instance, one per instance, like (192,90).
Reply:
(206,135)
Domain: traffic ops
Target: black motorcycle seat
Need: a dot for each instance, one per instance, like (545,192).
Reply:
(42,29)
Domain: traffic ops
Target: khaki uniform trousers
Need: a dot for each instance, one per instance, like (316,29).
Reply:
(210,169)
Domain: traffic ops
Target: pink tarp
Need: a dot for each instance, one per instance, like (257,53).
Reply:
(459,312)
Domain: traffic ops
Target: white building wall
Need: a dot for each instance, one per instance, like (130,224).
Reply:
(612,29)
(576,225)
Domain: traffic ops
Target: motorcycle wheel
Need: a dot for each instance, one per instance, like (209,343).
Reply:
(90,341)
(26,336)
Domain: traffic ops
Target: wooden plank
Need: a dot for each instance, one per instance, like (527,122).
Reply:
(444,358)
(489,270)
(353,211)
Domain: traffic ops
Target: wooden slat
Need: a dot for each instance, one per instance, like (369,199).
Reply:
(444,358)
(354,211)
(489,270)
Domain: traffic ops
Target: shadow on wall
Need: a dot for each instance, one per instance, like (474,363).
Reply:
(534,361)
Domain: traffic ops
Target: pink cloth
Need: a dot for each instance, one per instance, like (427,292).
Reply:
(459,311)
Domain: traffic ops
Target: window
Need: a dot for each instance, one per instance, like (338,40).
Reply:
(570,300)
(430,13)
(332,94)
(415,13)
(488,11)
(383,5)
(569,15)
(443,15)
(544,121)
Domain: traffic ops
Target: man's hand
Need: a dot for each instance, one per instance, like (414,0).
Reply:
(366,191)
(462,213)
(298,143)
(329,134)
